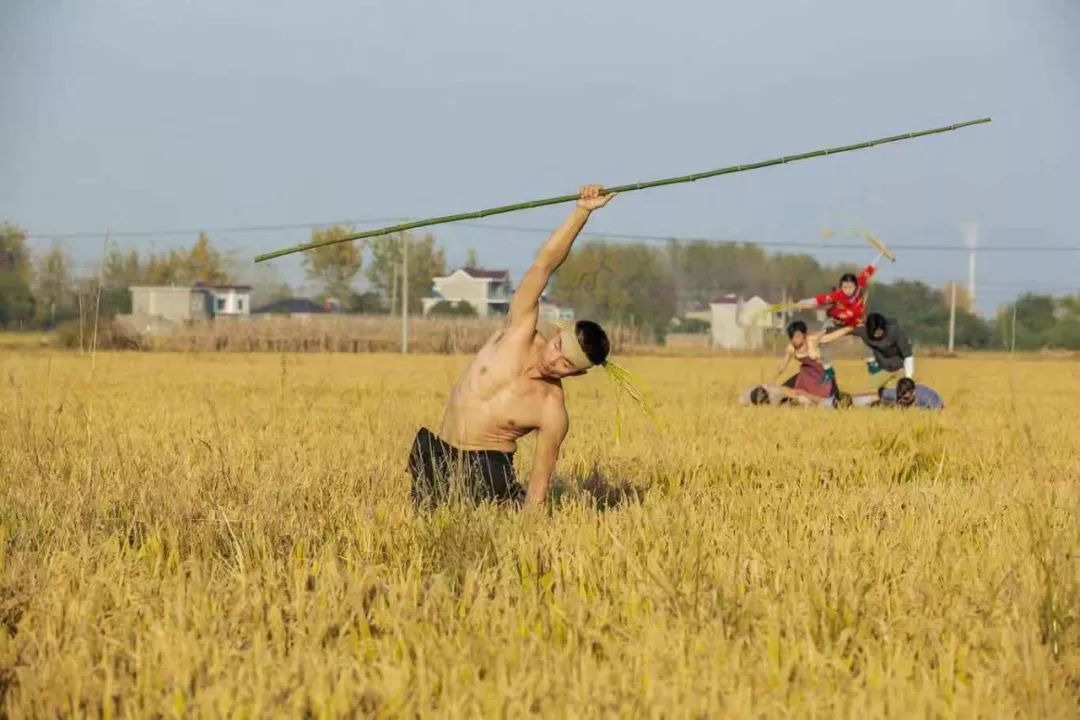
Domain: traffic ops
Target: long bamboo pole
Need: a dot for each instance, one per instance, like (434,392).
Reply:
(477,214)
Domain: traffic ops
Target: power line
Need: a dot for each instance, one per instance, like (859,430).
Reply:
(98,234)
(1041,284)
(640,237)
(766,243)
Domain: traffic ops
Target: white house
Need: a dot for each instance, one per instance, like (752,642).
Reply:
(555,314)
(739,324)
(228,299)
(179,304)
(488,291)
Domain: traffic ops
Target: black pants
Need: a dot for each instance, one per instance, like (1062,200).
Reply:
(481,474)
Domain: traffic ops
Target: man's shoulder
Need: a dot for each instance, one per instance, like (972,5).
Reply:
(553,415)
(554,394)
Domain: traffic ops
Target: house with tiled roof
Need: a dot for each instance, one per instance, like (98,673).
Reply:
(738,323)
(488,291)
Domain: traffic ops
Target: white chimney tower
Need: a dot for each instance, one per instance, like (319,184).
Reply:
(971,240)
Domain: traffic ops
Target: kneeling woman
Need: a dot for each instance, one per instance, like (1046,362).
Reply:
(813,381)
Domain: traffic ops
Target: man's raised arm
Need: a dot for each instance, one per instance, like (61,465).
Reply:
(525,307)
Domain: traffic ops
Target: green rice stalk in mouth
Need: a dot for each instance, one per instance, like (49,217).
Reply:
(627,384)
(625,381)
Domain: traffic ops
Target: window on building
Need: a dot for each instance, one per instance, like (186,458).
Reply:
(239,304)
(219,304)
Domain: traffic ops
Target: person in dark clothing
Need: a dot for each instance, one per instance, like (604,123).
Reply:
(439,469)
(892,353)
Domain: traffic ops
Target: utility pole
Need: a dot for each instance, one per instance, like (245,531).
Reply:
(394,269)
(952,320)
(1013,348)
(971,241)
(404,293)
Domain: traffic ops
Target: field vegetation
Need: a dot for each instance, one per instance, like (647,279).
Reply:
(229,534)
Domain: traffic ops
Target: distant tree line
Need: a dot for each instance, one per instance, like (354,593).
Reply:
(636,285)
(647,286)
(44,291)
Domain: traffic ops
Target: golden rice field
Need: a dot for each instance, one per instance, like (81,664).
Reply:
(229,535)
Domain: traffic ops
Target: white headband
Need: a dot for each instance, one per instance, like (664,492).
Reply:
(574,352)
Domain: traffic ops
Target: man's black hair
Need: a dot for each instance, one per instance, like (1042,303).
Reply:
(794,327)
(759,396)
(594,341)
(849,277)
(874,322)
(904,385)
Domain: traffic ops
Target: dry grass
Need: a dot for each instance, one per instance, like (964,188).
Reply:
(343,333)
(22,340)
(209,535)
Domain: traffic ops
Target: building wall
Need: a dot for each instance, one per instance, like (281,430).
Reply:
(175,304)
(726,332)
(742,325)
(459,286)
(556,314)
(754,321)
(232,302)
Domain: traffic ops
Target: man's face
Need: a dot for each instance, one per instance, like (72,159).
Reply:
(798,339)
(879,333)
(553,363)
(906,398)
(848,287)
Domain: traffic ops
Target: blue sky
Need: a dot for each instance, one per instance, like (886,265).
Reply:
(217,113)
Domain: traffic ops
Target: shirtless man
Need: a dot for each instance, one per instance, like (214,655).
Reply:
(512,387)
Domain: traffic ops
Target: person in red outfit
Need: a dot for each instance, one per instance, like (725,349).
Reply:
(847,303)
(846,307)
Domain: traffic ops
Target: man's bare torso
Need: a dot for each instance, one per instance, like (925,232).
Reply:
(496,401)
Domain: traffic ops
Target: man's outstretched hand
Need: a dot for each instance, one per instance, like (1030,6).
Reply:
(589,197)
